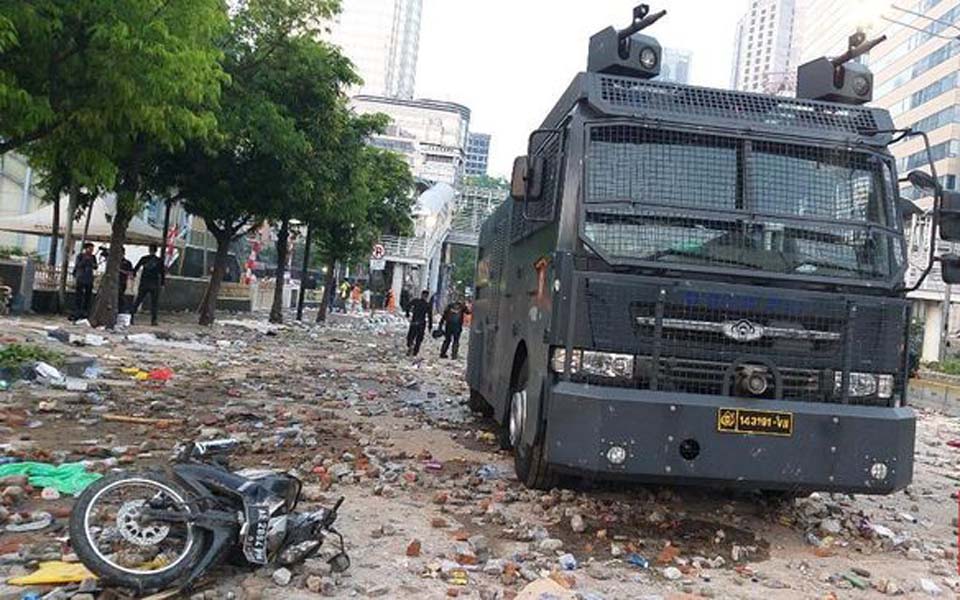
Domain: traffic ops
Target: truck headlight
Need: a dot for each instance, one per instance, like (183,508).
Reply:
(594,364)
(864,384)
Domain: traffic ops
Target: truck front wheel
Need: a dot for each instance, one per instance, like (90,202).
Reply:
(529,460)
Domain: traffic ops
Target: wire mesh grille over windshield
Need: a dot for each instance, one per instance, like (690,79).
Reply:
(695,199)
(662,97)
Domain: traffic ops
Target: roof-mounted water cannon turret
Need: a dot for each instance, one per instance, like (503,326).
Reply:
(627,52)
(838,79)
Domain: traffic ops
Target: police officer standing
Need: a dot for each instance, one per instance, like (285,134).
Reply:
(151,280)
(452,324)
(421,314)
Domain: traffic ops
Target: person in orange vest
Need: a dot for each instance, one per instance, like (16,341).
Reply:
(390,303)
(356,294)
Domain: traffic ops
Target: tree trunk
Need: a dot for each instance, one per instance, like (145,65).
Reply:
(72,203)
(328,290)
(105,308)
(55,231)
(283,240)
(208,307)
(86,222)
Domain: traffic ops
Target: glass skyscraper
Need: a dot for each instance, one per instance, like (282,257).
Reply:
(382,38)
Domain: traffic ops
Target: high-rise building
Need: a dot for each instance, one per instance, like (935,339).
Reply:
(478,153)
(675,65)
(431,135)
(916,77)
(765,52)
(382,38)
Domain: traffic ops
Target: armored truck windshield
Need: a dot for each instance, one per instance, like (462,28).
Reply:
(695,200)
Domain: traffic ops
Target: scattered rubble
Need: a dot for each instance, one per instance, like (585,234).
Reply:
(433,509)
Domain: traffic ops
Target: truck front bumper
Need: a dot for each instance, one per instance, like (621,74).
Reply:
(677,438)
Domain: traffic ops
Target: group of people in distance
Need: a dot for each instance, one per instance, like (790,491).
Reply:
(450,325)
(152,277)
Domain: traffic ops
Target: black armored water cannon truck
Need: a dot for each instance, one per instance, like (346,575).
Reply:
(704,286)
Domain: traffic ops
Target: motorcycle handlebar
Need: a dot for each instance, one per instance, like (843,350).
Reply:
(332,515)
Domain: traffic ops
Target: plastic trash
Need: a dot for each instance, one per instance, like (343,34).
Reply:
(47,371)
(54,572)
(164,374)
(39,520)
(123,321)
(568,562)
(490,472)
(94,340)
(77,385)
(68,478)
(4,385)
(638,561)
(930,587)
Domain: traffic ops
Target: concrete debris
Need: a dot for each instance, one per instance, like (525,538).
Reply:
(433,506)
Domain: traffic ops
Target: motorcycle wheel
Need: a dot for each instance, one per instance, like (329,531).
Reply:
(113,540)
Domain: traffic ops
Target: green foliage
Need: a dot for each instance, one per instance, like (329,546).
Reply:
(14,356)
(371,193)
(7,252)
(950,366)
(485,181)
(83,80)
(464,267)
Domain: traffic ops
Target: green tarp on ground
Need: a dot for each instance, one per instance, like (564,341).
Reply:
(68,478)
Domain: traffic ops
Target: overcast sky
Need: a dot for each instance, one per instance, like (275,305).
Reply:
(510,60)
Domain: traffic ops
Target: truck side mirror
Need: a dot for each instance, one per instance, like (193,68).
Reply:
(527,180)
(950,216)
(923,181)
(950,268)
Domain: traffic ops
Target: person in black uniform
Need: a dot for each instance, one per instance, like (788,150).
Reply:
(421,315)
(452,324)
(83,275)
(151,281)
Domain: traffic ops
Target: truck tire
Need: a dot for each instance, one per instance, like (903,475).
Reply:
(529,461)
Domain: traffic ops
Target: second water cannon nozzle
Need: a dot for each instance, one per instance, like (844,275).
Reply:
(641,20)
(628,52)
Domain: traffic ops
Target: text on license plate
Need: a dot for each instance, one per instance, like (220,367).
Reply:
(762,422)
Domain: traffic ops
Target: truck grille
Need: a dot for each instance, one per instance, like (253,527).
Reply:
(708,341)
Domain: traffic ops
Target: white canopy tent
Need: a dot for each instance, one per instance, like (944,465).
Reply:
(40,222)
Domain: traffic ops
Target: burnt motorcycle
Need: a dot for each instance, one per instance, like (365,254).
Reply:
(153,530)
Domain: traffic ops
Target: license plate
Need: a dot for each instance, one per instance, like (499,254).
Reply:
(759,422)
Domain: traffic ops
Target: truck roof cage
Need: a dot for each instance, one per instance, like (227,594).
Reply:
(657,100)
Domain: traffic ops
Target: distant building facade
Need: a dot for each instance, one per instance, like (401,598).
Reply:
(766,50)
(382,38)
(916,77)
(430,134)
(20,194)
(478,154)
(675,65)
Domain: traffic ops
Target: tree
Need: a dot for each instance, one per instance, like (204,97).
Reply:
(231,179)
(99,88)
(372,193)
(175,64)
(311,78)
